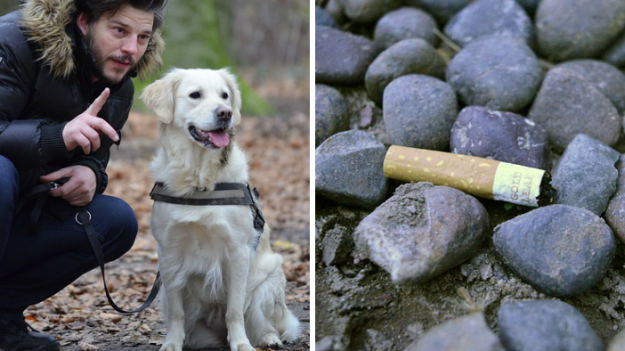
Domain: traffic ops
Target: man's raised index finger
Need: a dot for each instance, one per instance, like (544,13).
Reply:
(99,102)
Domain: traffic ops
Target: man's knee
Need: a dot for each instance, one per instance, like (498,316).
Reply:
(122,226)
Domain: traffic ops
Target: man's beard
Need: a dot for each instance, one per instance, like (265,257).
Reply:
(100,60)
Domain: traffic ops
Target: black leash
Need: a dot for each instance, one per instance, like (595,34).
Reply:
(39,194)
(85,221)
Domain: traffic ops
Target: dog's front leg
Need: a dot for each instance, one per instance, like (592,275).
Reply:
(238,269)
(175,315)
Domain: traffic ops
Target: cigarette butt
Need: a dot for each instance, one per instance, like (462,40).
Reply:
(477,176)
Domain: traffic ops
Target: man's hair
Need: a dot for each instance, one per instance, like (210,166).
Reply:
(93,9)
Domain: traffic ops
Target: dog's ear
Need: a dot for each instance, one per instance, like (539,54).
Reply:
(159,96)
(235,93)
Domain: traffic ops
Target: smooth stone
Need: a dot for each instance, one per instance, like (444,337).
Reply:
(502,136)
(573,29)
(541,325)
(560,250)
(496,72)
(442,10)
(348,169)
(483,18)
(618,342)
(419,111)
(411,56)
(605,77)
(615,214)
(585,175)
(368,11)
(422,231)
(323,18)
(567,105)
(331,113)
(467,333)
(342,58)
(405,23)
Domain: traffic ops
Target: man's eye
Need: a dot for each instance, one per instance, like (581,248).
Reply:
(119,30)
(144,37)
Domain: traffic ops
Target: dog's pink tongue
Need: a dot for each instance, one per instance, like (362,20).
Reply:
(219,138)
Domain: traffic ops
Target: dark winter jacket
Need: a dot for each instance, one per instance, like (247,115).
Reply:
(45,81)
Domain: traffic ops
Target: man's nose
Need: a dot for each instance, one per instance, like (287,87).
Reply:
(129,47)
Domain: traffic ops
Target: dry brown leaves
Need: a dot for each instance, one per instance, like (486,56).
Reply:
(278,154)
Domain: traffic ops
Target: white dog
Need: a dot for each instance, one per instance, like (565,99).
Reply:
(222,283)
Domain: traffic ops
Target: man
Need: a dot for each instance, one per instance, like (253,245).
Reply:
(65,92)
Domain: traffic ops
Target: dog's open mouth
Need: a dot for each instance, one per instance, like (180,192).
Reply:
(210,138)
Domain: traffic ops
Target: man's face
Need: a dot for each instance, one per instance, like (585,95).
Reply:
(117,41)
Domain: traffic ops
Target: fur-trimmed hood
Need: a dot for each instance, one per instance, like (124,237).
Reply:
(44,22)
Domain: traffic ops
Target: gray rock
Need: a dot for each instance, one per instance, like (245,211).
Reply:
(585,176)
(468,333)
(615,54)
(419,111)
(615,214)
(490,17)
(502,136)
(497,72)
(618,342)
(572,29)
(405,23)
(331,113)
(348,169)
(567,105)
(408,56)
(606,78)
(368,11)
(542,325)
(442,10)
(558,249)
(323,18)
(422,231)
(337,247)
(342,58)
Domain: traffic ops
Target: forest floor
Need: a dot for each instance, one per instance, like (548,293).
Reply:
(278,153)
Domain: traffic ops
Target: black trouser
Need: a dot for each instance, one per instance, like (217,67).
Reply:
(35,266)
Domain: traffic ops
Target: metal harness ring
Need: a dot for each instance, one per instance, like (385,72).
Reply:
(78,220)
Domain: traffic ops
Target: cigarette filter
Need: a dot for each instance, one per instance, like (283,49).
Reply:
(477,176)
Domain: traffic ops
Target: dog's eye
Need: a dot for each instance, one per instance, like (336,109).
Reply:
(194,95)
(224,96)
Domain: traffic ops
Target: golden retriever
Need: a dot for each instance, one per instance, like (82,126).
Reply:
(221,284)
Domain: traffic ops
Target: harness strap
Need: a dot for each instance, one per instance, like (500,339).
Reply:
(223,194)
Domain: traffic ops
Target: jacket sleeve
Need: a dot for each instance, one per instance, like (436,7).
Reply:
(22,141)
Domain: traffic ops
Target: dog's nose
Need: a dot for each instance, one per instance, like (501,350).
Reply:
(224,113)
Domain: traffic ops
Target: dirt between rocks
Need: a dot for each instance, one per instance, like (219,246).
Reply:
(278,153)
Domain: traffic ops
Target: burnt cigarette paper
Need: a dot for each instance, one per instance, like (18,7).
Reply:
(477,176)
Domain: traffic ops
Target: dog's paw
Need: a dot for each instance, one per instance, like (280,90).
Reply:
(171,346)
(271,339)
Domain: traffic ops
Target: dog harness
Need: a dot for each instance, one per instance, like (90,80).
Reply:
(223,194)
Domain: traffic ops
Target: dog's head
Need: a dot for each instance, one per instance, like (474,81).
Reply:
(203,102)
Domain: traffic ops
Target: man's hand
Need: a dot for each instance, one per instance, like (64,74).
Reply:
(79,189)
(84,130)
